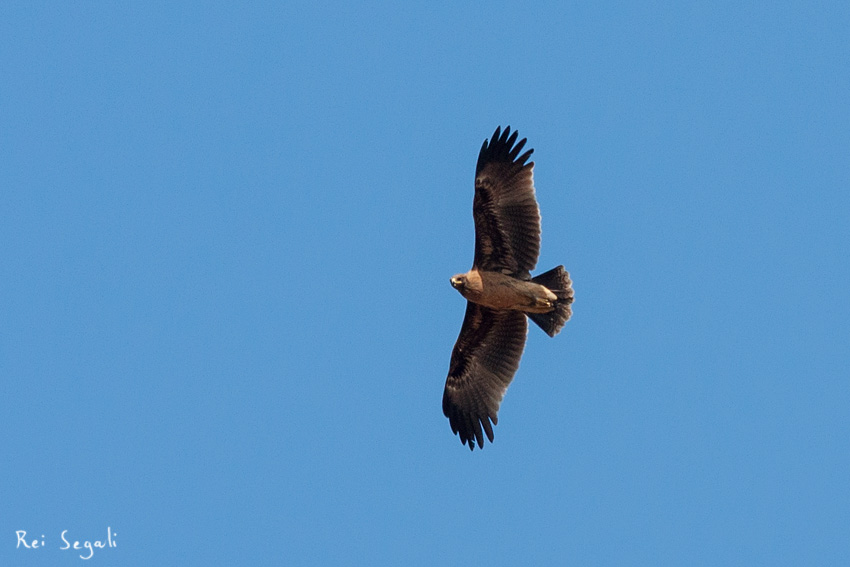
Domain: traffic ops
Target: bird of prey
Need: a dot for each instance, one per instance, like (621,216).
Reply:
(499,289)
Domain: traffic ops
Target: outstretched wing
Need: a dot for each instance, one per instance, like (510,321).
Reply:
(507,219)
(484,361)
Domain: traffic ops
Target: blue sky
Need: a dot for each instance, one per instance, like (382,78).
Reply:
(226,316)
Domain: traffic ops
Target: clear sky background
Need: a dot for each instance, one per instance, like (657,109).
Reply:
(226,320)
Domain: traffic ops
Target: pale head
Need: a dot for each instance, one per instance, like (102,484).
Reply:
(470,282)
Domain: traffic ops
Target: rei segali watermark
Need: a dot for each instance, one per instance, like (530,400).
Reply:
(85,549)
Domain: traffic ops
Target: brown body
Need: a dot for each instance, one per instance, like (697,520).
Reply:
(498,291)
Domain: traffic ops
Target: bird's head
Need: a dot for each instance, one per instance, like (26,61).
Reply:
(469,284)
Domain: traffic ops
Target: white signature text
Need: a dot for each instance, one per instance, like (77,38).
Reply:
(86,548)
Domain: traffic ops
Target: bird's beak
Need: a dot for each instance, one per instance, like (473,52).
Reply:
(456,281)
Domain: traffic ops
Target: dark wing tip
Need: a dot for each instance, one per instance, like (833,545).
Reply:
(500,148)
(469,427)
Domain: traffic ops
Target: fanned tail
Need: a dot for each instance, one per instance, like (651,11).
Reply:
(557,280)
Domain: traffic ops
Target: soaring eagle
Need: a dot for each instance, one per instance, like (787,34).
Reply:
(499,289)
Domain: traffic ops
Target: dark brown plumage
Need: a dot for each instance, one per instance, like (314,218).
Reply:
(500,290)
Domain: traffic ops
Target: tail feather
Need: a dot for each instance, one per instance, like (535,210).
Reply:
(557,280)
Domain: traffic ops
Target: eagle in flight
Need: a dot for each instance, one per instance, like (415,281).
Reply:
(499,289)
